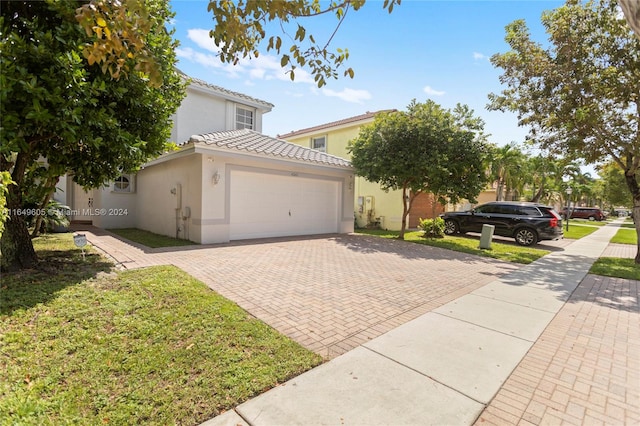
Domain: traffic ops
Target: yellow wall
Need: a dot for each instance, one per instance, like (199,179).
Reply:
(337,140)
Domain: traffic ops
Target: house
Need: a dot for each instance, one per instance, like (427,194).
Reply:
(373,206)
(227,181)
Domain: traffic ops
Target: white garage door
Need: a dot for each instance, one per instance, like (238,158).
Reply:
(266,205)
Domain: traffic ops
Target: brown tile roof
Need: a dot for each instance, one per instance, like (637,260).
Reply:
(361,117)
(253,142)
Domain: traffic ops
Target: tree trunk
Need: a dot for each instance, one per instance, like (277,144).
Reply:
(538,195)
(406,205)
(51,183)
(632,184)
(636,220)
(15,243)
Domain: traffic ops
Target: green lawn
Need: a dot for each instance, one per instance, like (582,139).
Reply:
(586,222)
(616,267)
(502,251)
(625,236)
(578,230)
(150,239)
(84,344)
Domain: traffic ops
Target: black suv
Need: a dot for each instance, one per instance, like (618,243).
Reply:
(528,223)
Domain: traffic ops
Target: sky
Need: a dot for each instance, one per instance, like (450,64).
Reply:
(424,49)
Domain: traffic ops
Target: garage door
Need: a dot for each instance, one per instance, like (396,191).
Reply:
(267,205)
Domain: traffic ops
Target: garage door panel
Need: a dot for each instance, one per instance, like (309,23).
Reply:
(267,205)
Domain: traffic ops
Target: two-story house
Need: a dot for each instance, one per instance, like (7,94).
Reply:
(373,206)
(227,181)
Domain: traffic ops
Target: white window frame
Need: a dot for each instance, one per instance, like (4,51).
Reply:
(318,138)
(247,120)
(117,184)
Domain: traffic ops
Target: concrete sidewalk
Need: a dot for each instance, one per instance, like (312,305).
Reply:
(444,367)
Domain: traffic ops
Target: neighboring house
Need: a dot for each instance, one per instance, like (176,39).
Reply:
(373,206)
(487,195)
(226,182)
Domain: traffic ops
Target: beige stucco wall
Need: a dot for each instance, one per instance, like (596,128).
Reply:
(198,113)
(115,209)
(208,198)
(160,186)
(201,112)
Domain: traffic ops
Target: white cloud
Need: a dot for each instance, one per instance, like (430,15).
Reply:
(349,95)
(201,38)
(263,68)
(209,61)
(479,56)
(430,91)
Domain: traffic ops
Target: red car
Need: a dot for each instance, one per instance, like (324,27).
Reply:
(591,213)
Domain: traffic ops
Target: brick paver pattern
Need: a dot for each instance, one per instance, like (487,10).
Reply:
(330,294)
(584,369)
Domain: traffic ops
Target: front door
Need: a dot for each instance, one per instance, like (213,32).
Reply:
(82,205)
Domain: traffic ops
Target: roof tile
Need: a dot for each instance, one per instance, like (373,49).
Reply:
(342,122)
(257,143)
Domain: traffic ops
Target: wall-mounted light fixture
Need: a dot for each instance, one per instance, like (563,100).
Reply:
(215,179)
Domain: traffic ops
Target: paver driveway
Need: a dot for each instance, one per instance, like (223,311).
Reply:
(330,293)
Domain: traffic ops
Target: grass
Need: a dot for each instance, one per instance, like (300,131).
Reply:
(586,222)
(502,251)
(625,236)
(577,231)
(150,239)
(84,344)
(616,267)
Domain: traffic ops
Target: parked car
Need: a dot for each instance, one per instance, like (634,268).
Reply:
(527,223)
(591,213)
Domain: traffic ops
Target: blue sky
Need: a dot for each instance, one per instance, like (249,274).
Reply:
(435,50)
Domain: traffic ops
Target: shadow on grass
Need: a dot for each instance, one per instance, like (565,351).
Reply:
(56,270)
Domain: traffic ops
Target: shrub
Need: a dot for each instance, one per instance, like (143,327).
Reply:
(433,228)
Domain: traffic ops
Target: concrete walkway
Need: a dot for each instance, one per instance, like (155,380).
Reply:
(526,348)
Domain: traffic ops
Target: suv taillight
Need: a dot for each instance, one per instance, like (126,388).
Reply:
(554,220)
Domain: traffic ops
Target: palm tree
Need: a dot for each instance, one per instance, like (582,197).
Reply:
(546,176)
(506,164)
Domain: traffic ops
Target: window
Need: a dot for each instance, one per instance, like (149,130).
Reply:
(319,144)
(122,184)
(528,211)
(244,118)
(487,208)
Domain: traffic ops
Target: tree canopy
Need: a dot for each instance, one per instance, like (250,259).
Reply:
(57,106)
(240,30)
(580,96)
(426,148)
(614,186)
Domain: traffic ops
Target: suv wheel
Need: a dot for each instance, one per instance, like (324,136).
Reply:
(526,236)
(592,218)
(450,227)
